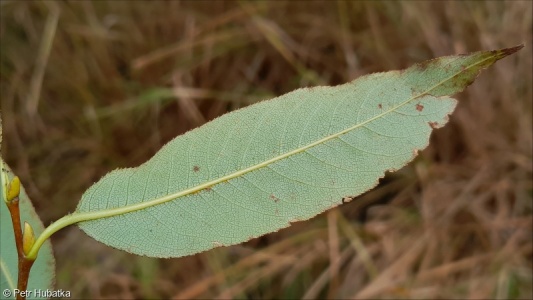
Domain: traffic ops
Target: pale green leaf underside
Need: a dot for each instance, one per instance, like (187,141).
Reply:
(43,271)
(258,169)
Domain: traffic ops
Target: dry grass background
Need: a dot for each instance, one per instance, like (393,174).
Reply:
(87,87)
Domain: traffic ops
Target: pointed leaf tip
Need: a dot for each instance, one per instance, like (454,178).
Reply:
(508,51)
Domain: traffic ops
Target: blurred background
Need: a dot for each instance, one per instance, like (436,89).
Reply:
(87,87)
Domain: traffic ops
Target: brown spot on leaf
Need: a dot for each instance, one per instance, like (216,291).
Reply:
(208,189)
(380,106)
(276,199)
(433,125)
(196,168)
(419,107)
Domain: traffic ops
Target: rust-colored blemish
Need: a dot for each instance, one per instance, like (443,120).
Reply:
(433,124)
(380,106)
(419,107)
(276,199)
(196,168)
(208,189)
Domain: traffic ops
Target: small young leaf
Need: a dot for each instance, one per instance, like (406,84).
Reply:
(42,274)
(258,169)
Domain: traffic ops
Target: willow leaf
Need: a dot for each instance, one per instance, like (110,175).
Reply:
(258,169)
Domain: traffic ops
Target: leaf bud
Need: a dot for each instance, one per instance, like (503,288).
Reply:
(28,238)
(13,189)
